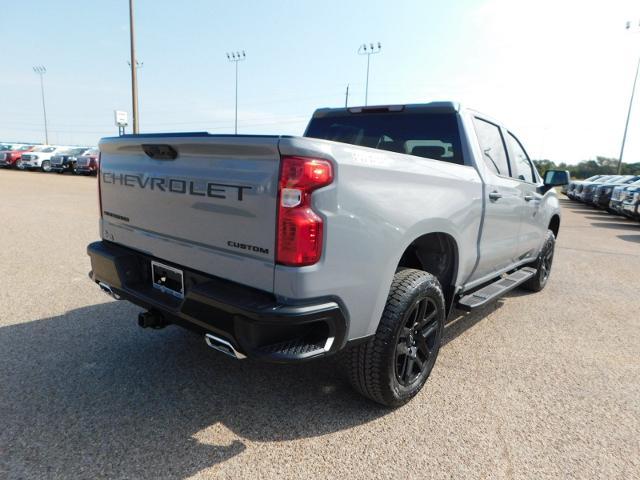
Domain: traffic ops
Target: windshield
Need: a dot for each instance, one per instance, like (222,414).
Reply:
(428,135)
(24,148)
(76,151)
(609,179)
(618,179)
(91,151)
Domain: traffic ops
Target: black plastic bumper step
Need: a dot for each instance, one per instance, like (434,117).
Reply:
(496,289)
(292,349)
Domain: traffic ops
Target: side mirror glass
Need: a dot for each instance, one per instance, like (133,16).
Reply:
(556,178)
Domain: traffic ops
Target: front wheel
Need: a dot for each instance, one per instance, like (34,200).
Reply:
(542,264)
(46,166)
(393,365)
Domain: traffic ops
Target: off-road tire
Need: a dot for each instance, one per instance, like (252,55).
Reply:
(542,265)
(372,366)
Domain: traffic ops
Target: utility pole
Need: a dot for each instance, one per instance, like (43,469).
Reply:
(633,91)
(369,50)
(346,97)
(139,65)
(236,57)
(41,70)
(134,67)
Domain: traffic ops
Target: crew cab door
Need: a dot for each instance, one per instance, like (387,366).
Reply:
(532,227)
(503,206)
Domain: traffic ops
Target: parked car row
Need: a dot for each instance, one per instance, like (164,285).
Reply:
(50,158)
(618,194)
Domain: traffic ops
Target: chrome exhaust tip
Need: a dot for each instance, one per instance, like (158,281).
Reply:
(107,289)
(223,346)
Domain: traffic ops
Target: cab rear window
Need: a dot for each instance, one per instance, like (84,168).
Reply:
(428,135)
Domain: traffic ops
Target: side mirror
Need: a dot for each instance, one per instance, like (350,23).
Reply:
(556,178)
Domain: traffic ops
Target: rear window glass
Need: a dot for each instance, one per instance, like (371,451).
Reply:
(428,135)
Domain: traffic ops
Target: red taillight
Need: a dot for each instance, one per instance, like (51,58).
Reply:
(299,236)
(99,192)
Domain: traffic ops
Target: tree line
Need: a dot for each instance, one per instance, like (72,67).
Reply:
(588,168)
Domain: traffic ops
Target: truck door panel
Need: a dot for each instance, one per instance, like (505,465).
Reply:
(532,226)
(503,205)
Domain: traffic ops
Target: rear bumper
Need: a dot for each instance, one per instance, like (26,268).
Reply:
(252,321)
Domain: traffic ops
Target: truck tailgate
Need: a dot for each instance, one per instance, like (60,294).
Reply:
(212,208)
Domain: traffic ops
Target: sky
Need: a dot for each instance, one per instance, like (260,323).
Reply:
(558,73)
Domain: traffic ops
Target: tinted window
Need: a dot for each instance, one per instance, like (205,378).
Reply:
(520,165)
(492,146)
(428,135)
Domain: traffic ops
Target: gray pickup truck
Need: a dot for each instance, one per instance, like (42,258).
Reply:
(359,237)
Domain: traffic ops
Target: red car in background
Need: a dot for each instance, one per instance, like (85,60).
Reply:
(11,154)
(87,163)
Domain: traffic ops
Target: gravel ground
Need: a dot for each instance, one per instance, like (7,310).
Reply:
(536,386)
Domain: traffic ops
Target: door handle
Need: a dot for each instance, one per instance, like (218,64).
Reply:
(495,196)
(528,198)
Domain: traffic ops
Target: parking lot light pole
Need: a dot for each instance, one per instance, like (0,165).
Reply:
(236,57)
(368,50)
(633,91)
(41,70)
(134,76)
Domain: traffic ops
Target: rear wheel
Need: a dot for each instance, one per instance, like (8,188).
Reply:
(46,166)
(542,264)
(392,366)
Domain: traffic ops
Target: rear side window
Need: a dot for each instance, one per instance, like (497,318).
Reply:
(520,163)
(492,146)
(429,135)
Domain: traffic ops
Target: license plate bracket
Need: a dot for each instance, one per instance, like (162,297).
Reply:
(167,279)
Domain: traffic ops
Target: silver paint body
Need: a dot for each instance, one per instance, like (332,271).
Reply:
(377,205)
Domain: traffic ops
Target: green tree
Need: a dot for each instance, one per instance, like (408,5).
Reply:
(588,168)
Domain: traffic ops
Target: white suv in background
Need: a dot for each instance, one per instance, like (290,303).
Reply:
(39,157)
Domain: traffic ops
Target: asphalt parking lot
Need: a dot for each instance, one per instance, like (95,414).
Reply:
(536,386)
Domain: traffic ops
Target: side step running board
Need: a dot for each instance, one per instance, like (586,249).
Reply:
(495,290)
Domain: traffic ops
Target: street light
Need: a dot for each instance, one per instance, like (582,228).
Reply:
(134,77)
(236,57)
(368,50)
(41,70)
(633,91)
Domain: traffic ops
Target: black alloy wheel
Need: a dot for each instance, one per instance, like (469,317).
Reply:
(416,343)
